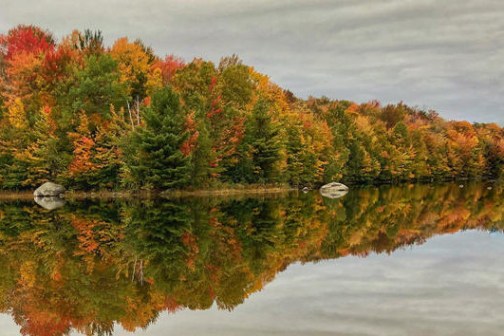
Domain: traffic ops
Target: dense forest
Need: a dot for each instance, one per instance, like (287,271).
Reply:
(90,266)
(96,117)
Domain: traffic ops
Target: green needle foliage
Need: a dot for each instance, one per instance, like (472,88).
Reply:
(155,159)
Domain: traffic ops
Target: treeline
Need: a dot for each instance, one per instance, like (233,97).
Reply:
(90,266)
(97,117)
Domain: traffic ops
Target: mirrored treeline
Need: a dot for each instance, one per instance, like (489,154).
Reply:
(91,265)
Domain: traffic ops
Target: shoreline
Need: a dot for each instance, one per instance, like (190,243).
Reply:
(105,194)
(225,191)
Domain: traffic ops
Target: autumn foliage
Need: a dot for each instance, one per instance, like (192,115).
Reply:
(231,124)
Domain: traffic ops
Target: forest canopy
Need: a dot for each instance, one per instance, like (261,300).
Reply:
(96,117)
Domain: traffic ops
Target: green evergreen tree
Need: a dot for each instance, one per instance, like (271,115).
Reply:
(260,150)
(154,159)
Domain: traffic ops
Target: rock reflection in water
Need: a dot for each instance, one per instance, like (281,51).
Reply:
(50,203)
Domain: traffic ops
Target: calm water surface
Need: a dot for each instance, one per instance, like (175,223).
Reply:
(409,260)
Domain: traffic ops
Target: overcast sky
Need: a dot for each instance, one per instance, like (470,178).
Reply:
(446,55)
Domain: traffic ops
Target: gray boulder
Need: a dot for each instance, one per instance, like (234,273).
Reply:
(50,203)
(334,190)
(49,189)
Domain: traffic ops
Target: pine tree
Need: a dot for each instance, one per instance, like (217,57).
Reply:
(154,158)
(260,149)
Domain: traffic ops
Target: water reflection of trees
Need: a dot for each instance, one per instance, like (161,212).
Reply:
(90,265)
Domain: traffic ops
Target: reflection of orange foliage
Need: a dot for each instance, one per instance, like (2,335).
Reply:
(44,323)
(171,304)
(455,220)
(27,274)
(140,314)
(86,235)
(190,241)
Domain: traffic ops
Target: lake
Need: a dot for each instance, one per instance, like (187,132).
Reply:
(388,260)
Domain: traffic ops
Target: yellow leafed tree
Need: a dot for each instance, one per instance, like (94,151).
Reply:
(17,115)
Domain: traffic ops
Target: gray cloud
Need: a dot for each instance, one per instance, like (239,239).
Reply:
(445,55)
